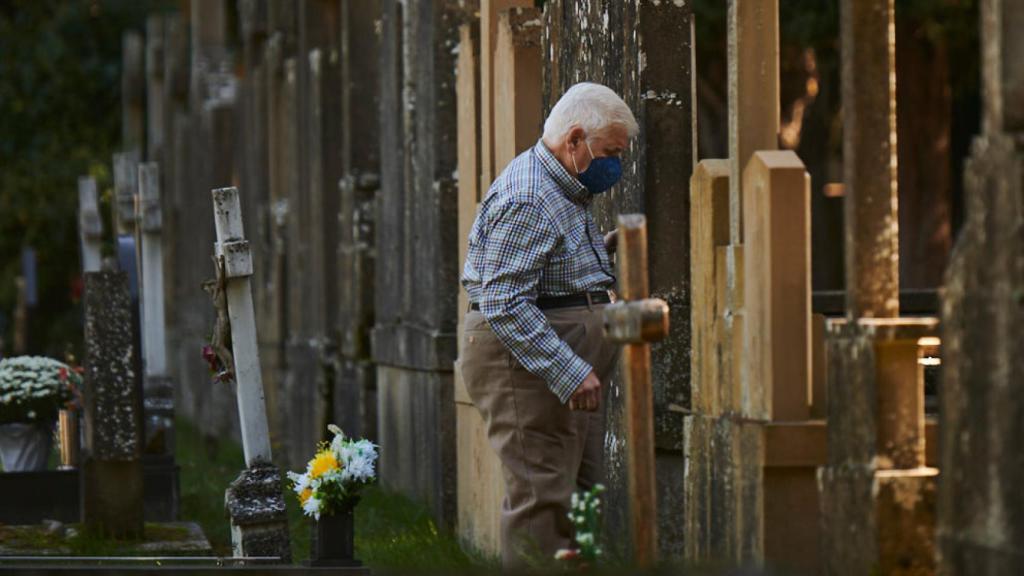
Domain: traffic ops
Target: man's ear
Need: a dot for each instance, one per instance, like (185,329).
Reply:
(576,137)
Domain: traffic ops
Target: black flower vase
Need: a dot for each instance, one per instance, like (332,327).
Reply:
(333,539)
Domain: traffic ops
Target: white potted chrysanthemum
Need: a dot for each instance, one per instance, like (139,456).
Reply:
(329,490)
(33,389)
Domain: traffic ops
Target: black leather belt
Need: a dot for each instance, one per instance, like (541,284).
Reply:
(549,302)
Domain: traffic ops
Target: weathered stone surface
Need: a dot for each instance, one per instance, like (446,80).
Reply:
(413,339)
(849,526)
(877,498)
(111,470)
(851,391)
(112,417)
(618,44)
(753,86)
(981,507)
(417,436)
(255,504)
(869,158)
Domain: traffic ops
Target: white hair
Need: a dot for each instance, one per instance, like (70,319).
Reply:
(592,107)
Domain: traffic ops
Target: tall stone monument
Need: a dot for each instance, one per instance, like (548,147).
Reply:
(111,465)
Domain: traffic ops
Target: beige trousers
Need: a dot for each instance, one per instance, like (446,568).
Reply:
(547,451)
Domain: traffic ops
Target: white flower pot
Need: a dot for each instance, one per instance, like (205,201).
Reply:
(25,447)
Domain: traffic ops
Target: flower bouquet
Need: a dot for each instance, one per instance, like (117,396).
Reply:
(328,491)
(585,514)
(33,390)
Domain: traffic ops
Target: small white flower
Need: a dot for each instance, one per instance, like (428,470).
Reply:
(312,507)
(301,481)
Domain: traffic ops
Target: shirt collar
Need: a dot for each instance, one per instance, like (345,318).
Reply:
(567,183)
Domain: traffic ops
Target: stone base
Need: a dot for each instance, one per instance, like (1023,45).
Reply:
(259,522)
(724,490)
(112,498)
(878,522)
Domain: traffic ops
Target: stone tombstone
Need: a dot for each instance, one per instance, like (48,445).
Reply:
(355,397)
(112,491)
(413,339)
(981,506)
(622,45)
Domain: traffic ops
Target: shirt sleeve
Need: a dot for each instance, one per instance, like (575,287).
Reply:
(521,238)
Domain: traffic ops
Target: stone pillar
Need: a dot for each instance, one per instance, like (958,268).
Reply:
(623,46)
(981,528)
(111,466)
(355,395)
(753,86)
(413,339)
(877,496)
(777,287)
(869,158)
(777,349)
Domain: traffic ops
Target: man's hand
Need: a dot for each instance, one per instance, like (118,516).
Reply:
(588,395)
(611,241)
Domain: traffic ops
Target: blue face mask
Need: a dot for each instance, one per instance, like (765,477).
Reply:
(602,173)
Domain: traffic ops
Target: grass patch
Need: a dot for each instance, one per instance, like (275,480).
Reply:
(392,531)
(72,540)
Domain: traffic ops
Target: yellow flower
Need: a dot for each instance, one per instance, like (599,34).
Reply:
(305,495)
(323,462)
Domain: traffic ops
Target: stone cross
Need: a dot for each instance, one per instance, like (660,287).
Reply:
(636,322)
(159,394)
(111,469)
(254,501)
(90,225)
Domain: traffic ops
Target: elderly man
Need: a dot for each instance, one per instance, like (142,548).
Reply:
(534,357)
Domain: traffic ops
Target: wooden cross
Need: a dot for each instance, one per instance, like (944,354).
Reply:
(635,321)
(235,257)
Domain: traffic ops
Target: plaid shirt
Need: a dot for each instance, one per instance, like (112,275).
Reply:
(534,236)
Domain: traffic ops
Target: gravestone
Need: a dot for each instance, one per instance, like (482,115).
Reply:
(413,339)
(158,388)
(623,45)
(112,490)
(981,525)
(254,501)
(355,396)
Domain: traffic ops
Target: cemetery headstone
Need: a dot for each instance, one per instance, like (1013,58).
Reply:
(158,388)
(980,525)
(112,489)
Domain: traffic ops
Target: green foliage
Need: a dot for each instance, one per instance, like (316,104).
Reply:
(59,119)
